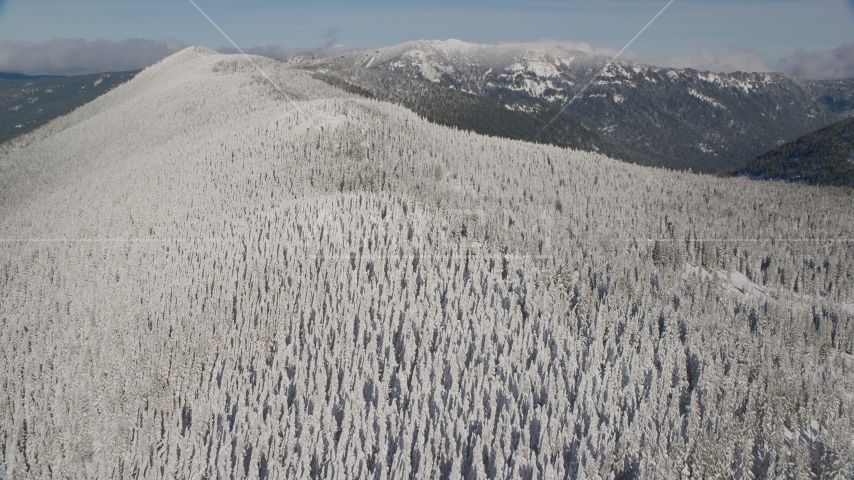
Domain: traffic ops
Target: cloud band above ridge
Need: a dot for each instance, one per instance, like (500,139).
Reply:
(68,56)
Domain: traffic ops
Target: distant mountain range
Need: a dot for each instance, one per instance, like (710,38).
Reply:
(28,102)
(21,76)
(678,118)
(824,157)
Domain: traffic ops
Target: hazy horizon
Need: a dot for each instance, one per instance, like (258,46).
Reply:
(807,39)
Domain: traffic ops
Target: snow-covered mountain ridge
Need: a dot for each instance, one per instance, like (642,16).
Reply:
(681,117)
(540,66)
(196,279)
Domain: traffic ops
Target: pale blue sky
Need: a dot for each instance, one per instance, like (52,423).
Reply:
(769,30)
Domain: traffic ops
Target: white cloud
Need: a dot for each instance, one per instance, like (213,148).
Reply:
(838,63)
(817,65)
(583,47)
(74,56)
(271,51)
(330,43)
(70,56)
(811,64)
(742,60)
(63,56)
(283,53)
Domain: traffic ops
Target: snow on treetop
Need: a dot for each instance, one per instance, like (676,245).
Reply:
(195,280)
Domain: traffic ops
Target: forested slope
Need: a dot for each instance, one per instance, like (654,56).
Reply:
(676,118)
(30,102)
(824,157)
(520,119)
(196,279)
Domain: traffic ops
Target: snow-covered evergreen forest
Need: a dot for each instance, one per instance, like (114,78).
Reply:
(200,279)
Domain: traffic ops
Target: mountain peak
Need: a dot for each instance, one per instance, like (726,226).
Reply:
(186,55)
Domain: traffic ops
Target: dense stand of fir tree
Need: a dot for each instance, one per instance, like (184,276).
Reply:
(520,119)
(197,279)
(28,102)
(675,118)
(824,157)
